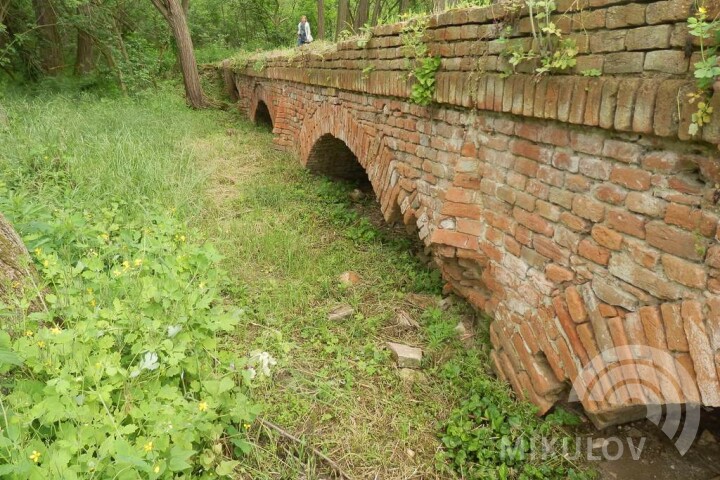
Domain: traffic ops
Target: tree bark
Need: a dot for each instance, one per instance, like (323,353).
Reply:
(84,57)
(376,12)
(321,20)
(174,13)
(50,40)
(342,17)
(15,263)
(404,5)
(362,15)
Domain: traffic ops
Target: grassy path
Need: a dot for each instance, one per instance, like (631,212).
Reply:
(287,237)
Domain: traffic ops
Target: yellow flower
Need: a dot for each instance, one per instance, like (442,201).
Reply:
(138,262)
(55,330)
(38,251)
(246,426)
(156,469)
(29,333)
(148,446)
(202,406)
(35,456)
(182,238)
(117,272)
(46,263)
(202,285)
(105,236)
(93,303)
(41,344)
(702,11)
(90,291)
(126,265)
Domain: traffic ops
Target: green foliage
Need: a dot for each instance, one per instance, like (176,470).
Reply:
(490,436)
(707,69)
(423,66)
(591,72)
(549,47)
(124,368)
(424,87)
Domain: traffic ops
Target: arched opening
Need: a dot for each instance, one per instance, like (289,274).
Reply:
(331,157)
(262,116)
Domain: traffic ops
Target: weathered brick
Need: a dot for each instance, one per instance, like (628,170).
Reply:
(626,223)
(646,204)
(666,61)
(557,274)
(701,352)
(624,268)
(686,273)
(588,208)
(609,193)
(673,240)
(575,305)
(602,42)
(613,294)
(624,62)
(667,11)
(649,38)
(533,222)
(593,252)
(626,15)
(632,178)
(672,319)
(606,237)
(623,151)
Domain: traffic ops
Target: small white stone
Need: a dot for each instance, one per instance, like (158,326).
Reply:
(340,313)
(405,355)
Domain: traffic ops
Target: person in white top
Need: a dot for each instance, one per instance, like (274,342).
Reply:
(303,33)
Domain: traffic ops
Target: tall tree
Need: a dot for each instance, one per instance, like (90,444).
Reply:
(175,14)
(362,15)
(321,20)
(342,17)
(51,41)
(404,5)
(84,58)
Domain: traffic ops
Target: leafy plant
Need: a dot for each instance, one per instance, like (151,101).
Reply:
(489,436)
(423,65)
(591,72)
(123,371)
(707,69)
(549,47)
(366,33)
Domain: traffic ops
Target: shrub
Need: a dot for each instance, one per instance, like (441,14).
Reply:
(122,371)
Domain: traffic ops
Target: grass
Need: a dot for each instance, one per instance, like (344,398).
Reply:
(286,237)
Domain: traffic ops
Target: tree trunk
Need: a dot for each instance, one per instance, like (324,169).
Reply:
(376,12)
(404,5)
(363,12)
(15,263)
(50,40)
(84,58)
(321,20)
(342,17)
(174,13)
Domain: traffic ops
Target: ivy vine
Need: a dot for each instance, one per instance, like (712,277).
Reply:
(422,65)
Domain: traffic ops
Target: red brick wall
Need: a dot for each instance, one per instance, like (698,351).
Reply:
(575,211)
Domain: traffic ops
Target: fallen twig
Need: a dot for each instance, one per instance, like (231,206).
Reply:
(317,452)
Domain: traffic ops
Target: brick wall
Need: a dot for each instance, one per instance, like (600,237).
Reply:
(576,211)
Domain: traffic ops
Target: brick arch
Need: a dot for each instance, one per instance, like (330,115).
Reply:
(331,133)
(260,98)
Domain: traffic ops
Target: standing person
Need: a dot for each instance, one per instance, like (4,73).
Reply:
(303,33)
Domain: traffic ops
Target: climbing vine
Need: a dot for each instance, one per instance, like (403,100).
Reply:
(549,47)
(707,69)
(422,65)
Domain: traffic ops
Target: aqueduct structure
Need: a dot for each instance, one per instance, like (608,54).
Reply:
(575,210)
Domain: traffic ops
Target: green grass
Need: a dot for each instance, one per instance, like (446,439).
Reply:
(286,236)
